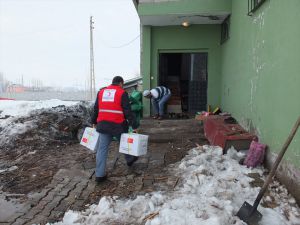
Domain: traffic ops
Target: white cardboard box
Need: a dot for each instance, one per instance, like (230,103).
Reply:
(134,144)
(90,138)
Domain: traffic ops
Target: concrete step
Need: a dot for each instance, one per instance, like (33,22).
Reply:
(166,131)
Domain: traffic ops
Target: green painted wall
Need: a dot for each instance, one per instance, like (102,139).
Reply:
(196,38)
(184,7)
(261,71)
(146,64)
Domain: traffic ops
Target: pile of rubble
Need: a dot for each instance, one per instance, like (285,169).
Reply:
(45,128)
(34,147)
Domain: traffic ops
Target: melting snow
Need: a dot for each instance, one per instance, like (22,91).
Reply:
(11,127)
(23,108)
(211,189)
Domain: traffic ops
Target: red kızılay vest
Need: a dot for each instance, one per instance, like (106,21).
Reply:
(109,104)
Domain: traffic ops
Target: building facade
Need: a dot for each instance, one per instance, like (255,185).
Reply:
(241,55)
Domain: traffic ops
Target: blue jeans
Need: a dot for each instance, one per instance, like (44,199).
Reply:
(159,106)
(102,151)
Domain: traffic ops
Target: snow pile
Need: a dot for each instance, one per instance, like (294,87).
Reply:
(211,189)
(23,108)
(10,128)
(288,206)
(41,122)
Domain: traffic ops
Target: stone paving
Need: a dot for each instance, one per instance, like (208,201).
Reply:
(67,190)
(75,188)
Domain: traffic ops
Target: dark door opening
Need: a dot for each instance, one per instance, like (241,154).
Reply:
(186,76)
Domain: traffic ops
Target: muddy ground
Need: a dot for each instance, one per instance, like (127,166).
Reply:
(45,171)
(48,171)
(52,144)
(48,145)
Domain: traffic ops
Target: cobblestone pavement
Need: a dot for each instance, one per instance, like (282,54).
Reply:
(75,188)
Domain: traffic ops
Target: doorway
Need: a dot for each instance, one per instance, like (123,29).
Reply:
(185,74)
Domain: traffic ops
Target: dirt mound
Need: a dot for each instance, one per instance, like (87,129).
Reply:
(34,147)
(45,128)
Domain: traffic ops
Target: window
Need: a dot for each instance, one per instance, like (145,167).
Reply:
(253,5)
(225,29)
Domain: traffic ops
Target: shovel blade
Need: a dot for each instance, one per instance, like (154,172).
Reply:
(248,215)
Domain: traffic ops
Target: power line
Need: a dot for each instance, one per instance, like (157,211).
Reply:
(123,45)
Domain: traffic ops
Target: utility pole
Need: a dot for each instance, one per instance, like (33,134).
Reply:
(92,71)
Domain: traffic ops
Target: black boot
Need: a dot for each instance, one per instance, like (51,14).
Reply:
(132,161)
(101,179)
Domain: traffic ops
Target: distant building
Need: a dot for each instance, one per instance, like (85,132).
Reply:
(15,88)
(133,84)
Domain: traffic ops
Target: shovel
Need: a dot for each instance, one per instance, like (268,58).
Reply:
(249,213)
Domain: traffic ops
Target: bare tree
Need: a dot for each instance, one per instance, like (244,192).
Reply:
(3,83)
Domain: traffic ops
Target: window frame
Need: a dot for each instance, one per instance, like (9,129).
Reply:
(253,5)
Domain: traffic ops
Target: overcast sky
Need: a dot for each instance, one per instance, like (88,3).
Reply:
(49,40)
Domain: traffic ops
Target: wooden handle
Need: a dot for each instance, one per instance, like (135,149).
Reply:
(275,165)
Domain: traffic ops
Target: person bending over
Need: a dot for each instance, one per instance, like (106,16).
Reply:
(159,97)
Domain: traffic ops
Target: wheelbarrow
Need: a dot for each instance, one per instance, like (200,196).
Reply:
(248,213)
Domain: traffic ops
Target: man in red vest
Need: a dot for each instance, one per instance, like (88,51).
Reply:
(112,117)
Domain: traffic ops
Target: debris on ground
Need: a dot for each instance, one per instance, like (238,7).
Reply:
(211,189)
(45,172)
(31,142)
(58,177)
